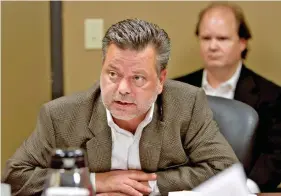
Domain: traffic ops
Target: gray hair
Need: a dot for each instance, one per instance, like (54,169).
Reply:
(137,34)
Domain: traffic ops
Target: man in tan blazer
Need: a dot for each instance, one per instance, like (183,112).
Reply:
(141,133)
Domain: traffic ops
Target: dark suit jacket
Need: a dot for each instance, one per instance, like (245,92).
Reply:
(182,144)
(265,97)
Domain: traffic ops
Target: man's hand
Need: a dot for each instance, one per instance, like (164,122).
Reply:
(111,194)
(129,182)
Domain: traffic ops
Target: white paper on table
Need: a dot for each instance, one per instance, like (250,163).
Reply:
(230,182)
(5,189)
(185,193)
(192,193)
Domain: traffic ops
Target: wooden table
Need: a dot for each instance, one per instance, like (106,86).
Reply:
(269,194)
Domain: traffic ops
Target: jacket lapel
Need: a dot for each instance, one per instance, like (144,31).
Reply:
(247,90)
(151,142)
(198,78)
(100,146)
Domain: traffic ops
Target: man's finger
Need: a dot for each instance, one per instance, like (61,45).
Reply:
(111,194)
(142,176)
(127,189)
(138,186)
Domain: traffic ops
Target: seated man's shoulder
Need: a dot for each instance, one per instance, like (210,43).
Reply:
(179,91)
(191,78)
(73,102)
(266,86)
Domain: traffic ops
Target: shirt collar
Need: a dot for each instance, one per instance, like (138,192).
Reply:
(230,83)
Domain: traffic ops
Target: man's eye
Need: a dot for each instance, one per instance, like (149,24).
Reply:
(139,80)
(206,38)
(222,38)
(138,77)
(112,74)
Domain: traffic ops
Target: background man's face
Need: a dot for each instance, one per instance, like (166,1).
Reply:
(220,45)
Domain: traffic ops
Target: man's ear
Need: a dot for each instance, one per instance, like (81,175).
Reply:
(243,44)
(163,76)
(162,79)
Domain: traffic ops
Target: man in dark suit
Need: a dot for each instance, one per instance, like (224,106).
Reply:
(223,34)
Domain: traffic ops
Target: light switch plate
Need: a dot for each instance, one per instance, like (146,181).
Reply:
(93,32)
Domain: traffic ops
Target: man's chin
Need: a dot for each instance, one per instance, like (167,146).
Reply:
(122,114)
(123,117)
(214,65)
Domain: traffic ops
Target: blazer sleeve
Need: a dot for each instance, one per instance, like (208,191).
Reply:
(204,145)
(266,171)
(26,170)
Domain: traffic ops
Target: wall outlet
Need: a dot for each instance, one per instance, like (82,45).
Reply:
(93,29)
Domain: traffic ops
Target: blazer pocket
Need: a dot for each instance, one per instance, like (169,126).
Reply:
(177,165)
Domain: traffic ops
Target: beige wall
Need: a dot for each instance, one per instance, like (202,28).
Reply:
(82,67)
(25,70)
(26,59)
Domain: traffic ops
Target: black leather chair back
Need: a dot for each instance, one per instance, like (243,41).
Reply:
(237,122)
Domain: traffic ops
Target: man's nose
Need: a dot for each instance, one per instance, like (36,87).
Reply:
(124,87)
(213,44)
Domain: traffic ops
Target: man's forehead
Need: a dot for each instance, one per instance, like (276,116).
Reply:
(118,55)
(216,20)
(221,19)
(219,14)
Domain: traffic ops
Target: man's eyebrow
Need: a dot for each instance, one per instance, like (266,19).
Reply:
(142,71)
(113,66)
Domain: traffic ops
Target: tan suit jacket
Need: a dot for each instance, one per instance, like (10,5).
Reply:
(182,144)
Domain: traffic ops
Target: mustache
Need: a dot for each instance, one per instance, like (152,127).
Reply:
(124,99)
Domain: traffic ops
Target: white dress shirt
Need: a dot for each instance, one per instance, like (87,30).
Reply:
(226,89)
(125,148)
